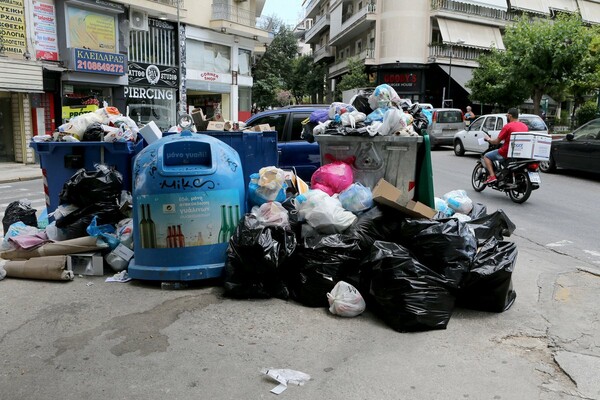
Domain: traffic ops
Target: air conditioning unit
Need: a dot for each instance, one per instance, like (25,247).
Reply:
(138,20)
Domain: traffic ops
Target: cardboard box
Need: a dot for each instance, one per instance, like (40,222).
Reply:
(530,145)
(151,132)
(263,128)
(86,264)
(216,126)
(389,195)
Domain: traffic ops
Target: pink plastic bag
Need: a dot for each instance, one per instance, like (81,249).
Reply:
(332,178)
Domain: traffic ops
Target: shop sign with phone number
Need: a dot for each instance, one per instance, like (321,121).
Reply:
(99,62)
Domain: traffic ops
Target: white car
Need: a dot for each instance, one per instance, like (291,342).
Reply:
(471,138)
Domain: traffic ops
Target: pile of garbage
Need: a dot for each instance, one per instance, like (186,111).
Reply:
(335,246)
(106,124)
(94,216)
(381,112)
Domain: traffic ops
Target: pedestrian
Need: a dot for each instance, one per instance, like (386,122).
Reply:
(513,125)
(469,116)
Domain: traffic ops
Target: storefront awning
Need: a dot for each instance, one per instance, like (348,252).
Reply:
(460,75)
(467,34)
(54,67)
(590,11)
(495,4)
(563,5)
(537,6)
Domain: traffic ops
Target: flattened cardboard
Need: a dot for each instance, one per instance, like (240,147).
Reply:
(389,195)
(216,126)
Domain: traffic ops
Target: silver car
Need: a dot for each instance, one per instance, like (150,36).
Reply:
(471,138)
(445,122)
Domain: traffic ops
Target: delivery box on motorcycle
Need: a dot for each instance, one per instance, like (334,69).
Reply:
(530,145)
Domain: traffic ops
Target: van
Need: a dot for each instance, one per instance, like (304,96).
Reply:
(445,123)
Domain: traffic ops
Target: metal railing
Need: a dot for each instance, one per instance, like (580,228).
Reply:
(458,53)
(233,14)
(172,3)
(471,9)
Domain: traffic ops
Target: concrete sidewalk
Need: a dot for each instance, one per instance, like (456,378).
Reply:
(15,172)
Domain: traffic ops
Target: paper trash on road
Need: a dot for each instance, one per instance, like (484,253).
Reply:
(120,277)
(286,377)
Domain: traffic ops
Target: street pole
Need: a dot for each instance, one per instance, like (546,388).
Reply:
(181,110)
(449,76)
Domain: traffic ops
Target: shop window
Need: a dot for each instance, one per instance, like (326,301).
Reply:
(244,57)
(210,57)
(152,104)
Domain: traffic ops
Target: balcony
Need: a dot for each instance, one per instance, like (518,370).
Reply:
(367,56)
(312,8)
(312,35)
(439,52)
(323,52)
(172,3)
(165,9)
(236,21)
(355,25)
(466,10)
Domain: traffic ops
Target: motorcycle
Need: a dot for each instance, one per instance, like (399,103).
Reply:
(517,177)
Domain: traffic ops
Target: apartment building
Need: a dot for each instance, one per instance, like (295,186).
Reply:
(425,49)
(152,59)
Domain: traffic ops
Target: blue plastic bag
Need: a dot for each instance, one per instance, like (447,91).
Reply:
(356,198)
(105,232)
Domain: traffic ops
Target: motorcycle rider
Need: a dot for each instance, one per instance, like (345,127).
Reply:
(513,125)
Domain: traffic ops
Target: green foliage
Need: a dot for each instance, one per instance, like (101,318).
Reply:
(587,112)
(306,79)
(355,78)
(542,56)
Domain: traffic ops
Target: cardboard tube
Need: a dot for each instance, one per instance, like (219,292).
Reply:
(78,245)
(51,268)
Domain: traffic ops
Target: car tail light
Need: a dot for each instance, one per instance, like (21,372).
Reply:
(462,115)
(533,166)
(434,116)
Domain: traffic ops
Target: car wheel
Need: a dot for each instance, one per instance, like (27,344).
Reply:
(548,166)
(459,149)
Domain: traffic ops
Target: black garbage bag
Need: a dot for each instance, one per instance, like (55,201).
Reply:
(406,294)
(479,210)
(374,224)
(74,225)
(446,246)
(255,260)
(19,210)
(488,285)
(361,102)
(495,225)
(307,132)
(84,188)
(319,263)
(420,121)
(93,133)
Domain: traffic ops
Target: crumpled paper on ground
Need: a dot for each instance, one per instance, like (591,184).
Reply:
(286,377)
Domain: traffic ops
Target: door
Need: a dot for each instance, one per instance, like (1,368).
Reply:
(473,132)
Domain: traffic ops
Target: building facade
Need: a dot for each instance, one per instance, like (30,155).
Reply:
(426,50)
(74,56)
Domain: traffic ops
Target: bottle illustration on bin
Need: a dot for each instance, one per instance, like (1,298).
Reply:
(175,237)
(147,228)
(228,224)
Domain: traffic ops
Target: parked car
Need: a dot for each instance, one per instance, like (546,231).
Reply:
(445,122)
(294,151)
(468,138)
(579,150)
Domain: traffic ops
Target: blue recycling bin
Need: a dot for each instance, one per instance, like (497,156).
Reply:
(188,197)
(61,160)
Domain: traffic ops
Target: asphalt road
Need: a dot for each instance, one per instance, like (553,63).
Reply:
(96,340)
(563,215)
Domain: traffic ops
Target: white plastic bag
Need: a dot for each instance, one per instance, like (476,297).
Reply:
(271,214)
(459,201)
(322,212)
(345,300)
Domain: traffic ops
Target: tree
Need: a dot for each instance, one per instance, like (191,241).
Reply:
(272,72)
(542,56)
(355,78)
(307,79)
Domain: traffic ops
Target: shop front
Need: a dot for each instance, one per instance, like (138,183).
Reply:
(153,75)
(407,82)
(218,77)
(92,52)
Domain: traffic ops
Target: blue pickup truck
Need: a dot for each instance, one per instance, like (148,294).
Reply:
(293,150)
